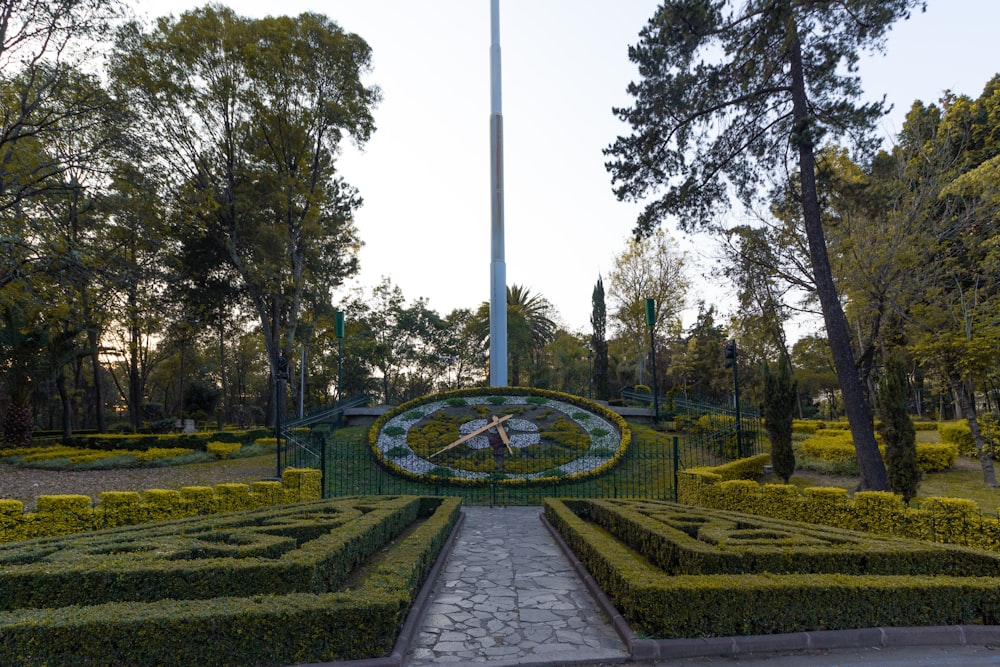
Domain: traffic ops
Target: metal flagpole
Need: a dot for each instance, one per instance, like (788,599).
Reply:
(498,267)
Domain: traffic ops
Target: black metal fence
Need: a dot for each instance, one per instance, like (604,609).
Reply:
(706,435)
(648,470)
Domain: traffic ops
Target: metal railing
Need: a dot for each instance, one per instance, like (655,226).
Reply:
(706,435)
(301,448)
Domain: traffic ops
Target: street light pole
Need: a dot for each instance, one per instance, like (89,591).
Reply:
(281,377)
(731,356)
(651,321)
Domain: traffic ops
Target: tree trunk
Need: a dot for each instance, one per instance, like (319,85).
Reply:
(18,425)
(98,372)
(870,465)
(967,402)
(224,378)
(67,406)
(134,381)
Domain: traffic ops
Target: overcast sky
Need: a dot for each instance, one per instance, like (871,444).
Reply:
(424,175)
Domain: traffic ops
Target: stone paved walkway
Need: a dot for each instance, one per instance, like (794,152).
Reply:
(508,595)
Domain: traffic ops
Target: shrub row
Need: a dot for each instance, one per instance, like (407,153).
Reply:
(305,612)
(959,434)
(662,604)
(838,447)
(142,441)
(950,520)
(680,539)
(67,514)
(813,425)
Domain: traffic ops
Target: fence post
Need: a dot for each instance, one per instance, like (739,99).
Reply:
(322,468)
(677,462)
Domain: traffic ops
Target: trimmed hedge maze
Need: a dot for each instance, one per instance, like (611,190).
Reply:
(680,571)
(328,580)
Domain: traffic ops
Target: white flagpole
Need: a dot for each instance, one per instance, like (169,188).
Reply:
(498,267)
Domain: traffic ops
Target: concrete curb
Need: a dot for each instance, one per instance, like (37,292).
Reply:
(651,649)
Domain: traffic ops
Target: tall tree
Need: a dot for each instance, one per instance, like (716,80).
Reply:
(529,328)
(732,93)
(249,116)
(648,268)
(599,342)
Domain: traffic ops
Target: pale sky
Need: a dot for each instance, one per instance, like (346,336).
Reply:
(424,175)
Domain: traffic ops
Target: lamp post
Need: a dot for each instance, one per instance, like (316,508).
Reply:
(651,322)
(731,355)
(280,378)
(338,330)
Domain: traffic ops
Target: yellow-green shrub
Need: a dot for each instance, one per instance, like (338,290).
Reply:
(65,514)
(933,457)
(955,521)
(222,450)
(806,425)
(838,447)
(958,434)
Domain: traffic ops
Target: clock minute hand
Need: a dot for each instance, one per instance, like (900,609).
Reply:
(469,436)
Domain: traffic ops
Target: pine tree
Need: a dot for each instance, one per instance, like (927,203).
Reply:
(896,429)
(734,94)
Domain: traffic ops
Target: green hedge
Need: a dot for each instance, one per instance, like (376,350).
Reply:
(278,601)
(950,520)
(140,441)
(669,596)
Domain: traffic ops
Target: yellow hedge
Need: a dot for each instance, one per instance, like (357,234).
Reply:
(65,514)
(838,447)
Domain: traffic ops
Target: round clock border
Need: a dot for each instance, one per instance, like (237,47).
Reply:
(419,469)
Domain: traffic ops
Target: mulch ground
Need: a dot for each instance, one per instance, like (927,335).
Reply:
(26,484)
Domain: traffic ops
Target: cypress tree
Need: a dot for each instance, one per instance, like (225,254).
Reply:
(896,429)
(779,407)
(598,341)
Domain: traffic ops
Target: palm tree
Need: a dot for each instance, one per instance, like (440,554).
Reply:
(529,328)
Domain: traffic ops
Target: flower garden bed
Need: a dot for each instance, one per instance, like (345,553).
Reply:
(550,437)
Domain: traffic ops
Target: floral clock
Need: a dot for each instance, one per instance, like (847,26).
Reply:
(512,435)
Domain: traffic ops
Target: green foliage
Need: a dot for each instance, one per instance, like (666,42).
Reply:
(779,406)
(726,89)
(432,435)
(599,342)
(896,429)
(238,584)
(678,571)
(954,521)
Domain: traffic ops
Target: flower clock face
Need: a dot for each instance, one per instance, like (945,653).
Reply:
(505,437)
